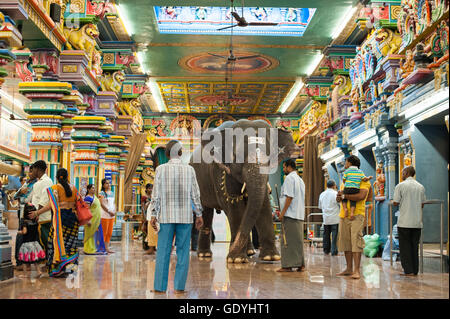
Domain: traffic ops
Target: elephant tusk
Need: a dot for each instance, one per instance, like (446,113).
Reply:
(243,187)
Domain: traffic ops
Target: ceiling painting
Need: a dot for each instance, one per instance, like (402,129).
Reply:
(222,97)
(206,63)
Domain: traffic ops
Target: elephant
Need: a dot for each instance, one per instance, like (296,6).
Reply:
(240,188)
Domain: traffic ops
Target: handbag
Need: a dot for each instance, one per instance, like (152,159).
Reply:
(84,214)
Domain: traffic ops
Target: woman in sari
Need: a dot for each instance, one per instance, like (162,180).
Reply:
(107,202)
(93,232)
(62,255)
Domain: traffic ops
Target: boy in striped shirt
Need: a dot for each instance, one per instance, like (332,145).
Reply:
(352,179)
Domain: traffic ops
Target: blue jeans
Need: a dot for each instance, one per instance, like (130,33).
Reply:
(182,240)
(327,230)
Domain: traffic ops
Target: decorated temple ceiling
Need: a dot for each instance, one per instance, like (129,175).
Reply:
(222,97)
(174,39)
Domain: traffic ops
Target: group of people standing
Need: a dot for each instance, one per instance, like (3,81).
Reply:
(48,222)
(344,218)
(49,225)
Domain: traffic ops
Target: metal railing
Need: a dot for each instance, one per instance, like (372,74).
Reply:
(428,202)
(308,222)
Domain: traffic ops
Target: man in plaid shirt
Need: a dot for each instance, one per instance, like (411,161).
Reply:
(175,194)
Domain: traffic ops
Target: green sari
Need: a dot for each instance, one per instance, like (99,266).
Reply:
(90,230)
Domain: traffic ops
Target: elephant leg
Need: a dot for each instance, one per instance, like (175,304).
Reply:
(256,185)
(266,234)
(250,247)
(204,236)
(234,219)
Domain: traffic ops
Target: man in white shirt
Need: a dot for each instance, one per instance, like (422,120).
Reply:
(409,195)
(41,201)
(292,216)
(330,210)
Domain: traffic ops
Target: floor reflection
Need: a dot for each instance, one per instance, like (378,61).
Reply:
(129,273)
(371,273)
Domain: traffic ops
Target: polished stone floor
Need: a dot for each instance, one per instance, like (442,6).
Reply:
(129,273)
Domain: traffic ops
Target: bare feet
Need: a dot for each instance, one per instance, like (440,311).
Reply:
(346,272)
(356,275)
(285,270)
(179,292)
(300,269)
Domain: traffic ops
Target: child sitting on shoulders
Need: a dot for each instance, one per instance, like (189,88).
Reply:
(352,178)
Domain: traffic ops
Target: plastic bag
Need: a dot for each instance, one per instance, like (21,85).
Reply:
(372,244)
(395,246)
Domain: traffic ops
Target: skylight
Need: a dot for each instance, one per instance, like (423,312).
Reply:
(206,20)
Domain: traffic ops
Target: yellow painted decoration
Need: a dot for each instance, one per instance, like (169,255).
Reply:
(112,82)
(83,39)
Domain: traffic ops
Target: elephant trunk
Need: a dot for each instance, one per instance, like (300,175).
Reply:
(256,187)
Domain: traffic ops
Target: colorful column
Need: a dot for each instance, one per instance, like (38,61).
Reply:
(71,101)
(86,140)
(122,162)
(112,157)
(46,120)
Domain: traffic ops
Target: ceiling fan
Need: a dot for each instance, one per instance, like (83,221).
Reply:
(232,58)
(241,22)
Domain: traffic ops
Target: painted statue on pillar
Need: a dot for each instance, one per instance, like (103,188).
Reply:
(379,183)
(407,66)
(389,42)
(112,81)
(83,39)
(354,96)
(407,160)
(97,64)
(184,125)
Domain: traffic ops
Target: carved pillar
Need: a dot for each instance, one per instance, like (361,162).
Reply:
(122,162)
(86,140)
(23,67)
(388,153)
(102,147)
(46,120)
(71,102)
(112,160)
